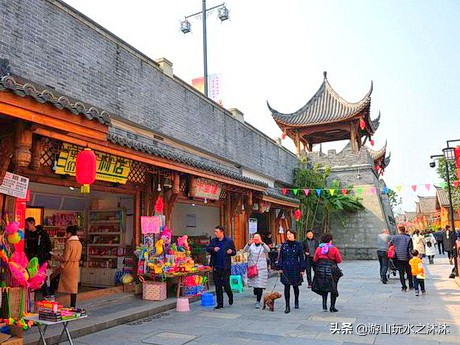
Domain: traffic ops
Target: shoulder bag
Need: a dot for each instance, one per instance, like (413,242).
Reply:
(253,270)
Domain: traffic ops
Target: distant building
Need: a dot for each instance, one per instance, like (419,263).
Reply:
(442,208)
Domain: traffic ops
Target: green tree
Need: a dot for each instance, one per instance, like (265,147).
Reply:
(395,199)
(317,210)
(441,169)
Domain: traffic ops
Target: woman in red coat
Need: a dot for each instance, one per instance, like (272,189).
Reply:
(327,274)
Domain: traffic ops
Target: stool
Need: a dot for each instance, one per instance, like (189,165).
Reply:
(207,300)
(236,283)
(182,304)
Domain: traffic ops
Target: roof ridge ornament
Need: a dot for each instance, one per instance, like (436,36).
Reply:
(325,74)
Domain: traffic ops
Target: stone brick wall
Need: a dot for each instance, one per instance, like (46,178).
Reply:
(49,43)
(356,237)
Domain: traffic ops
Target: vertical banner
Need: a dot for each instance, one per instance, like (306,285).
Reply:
(214,87)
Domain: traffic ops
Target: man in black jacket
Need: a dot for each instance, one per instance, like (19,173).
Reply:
(38,244)
(309,246)
(221,249)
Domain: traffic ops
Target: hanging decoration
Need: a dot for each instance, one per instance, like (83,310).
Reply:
(344,191)
(318,192)
(455,183)
(362,124)
(306,191)
(283,135)
(295,191)
(372,190)
(427,186)
(332,192)
(284,191)
(414,187)
(372,142)
(159,205)
(297,215)
(85,169)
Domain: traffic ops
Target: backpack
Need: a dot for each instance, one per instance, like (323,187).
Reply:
(391,252)
(429,244)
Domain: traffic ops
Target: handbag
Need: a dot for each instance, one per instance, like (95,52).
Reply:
(336,271)
(253,271)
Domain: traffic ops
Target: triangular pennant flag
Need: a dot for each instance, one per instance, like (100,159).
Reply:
(284,191)
(306,191)
(414,187)
(443,184)
(399,188)
(295,191)
(359,191)
(344,191)
(455,183)
(428,186)
(385,190)
(318,192)
(372,190)
(331,191)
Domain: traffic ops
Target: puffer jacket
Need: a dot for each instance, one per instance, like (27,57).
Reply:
(403,246)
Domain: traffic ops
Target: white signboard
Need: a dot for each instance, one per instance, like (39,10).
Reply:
(14,185)
(252,225)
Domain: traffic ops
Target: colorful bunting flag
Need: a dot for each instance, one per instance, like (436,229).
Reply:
(318,192)
(443,185)
(455,183)
(359,191)
(306,191)
(372,190)
(428,186)
(295,191)
(344,191)
(385,190)
(399,188)
(414,187)
(284,191)
(331,192)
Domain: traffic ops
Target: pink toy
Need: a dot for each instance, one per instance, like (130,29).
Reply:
(183,242)
(37,280)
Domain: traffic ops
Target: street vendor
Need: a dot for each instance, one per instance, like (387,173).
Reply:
(221,249)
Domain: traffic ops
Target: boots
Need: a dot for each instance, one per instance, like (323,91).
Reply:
(288,309)
(324,302)
(332,308)
(296,303)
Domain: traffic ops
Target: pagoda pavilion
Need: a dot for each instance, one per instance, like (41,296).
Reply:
(328,117)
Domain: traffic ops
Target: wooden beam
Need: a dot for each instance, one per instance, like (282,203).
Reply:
(297,142)
(117,150)
(280,202)
(353,138)
(137,218)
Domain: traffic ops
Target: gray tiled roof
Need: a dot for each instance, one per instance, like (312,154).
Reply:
(426,204)
(443,197)
(325,106)
(43,95)
(275,193)
(162,150)
(376,154)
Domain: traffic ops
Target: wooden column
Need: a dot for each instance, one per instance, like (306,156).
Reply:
(297,142)
(36,153)
(6,153)
(23,145)
(137,219)
(353,137)
(171,198)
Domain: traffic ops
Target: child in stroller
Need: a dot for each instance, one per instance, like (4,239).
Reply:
(392,269)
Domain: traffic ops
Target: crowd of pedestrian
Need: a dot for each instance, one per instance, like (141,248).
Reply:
(318,260)
(406,251)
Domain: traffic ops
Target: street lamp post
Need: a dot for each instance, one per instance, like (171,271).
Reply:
(448,155)
(185,27)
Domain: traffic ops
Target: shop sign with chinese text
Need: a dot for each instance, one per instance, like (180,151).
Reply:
(14,185)
(108,167)
(202,188)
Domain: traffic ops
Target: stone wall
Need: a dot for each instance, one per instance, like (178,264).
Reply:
(356,237)
(49,43)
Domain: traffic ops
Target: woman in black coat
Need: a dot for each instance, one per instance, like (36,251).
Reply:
(291,264)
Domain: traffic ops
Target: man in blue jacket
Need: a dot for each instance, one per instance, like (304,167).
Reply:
(221,249)
(403,247)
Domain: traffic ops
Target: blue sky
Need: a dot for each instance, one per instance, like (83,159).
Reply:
(277,51)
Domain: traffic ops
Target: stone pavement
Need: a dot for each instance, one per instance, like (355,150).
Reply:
(364,302)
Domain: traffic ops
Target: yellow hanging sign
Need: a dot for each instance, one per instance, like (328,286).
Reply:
(108,167)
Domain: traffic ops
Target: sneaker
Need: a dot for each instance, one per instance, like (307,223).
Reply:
(257,306)
(404,289)
(416,293)
(423,292)
(411,288)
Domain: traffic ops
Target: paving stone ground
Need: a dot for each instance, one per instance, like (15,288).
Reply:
(367,308)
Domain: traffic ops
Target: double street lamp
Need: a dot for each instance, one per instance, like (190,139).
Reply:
(449,155)
(186,27)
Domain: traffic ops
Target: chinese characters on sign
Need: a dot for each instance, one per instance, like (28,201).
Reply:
(363,329)
(201,188)
(14,185)
(108,167)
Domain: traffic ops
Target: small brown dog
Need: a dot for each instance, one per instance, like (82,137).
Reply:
(269,300)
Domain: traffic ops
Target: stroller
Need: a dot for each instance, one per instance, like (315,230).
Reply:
(392,269)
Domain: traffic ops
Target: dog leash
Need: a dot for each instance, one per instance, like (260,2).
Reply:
(276,282)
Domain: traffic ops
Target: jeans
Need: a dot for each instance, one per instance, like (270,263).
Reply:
(258,292)
(222,281)
(309,263)
(383,260)
(431,258)
(418,282)
(404,268)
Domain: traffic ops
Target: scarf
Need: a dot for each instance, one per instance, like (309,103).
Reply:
(325,247)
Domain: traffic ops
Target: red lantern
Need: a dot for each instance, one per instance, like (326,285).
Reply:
(283,135)
(362,124)
(372,142)
(297,215)
(159,205)
(457,156)
(85,169)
